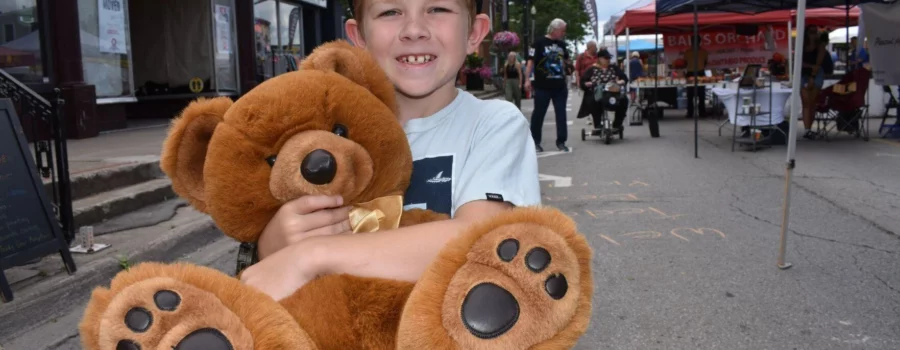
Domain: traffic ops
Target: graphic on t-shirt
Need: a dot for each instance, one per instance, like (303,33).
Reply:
(431,186)
(552,62)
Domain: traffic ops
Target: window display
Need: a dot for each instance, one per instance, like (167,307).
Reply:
(280,39)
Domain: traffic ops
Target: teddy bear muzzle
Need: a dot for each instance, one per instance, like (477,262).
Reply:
(317,162)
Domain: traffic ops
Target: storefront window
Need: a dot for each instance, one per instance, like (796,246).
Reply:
(106,46)
(20,42)
(281,42)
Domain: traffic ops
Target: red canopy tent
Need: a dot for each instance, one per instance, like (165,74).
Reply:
(642,20)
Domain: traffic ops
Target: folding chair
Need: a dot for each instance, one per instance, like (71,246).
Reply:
(843,107)
(890,129)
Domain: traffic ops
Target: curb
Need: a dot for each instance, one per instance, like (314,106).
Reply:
(55,297)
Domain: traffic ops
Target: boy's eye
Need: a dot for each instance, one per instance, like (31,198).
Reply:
(439,9)
(388,13)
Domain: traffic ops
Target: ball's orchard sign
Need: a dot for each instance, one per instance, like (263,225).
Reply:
(728,49)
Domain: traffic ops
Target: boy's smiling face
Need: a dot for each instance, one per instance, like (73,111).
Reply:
(420,44)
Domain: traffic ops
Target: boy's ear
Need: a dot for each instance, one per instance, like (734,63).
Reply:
(352,29)
(480,28)
(184,150)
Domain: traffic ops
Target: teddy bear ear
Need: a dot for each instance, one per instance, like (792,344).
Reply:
(354,63)
(184,150)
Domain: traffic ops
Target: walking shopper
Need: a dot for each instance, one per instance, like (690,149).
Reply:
(585,61)
(512,78)
(548,58)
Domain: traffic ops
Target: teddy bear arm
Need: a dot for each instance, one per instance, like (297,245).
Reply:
(419,216)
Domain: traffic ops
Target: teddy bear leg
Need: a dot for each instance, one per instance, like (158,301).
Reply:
(521,280)
(186,307)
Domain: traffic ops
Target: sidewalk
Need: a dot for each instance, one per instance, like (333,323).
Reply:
(45,290)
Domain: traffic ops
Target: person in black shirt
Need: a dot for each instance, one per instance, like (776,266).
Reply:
(548,58)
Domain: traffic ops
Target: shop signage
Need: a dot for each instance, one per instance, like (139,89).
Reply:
(879,24)
(319,3)
(727,49)
(28,227)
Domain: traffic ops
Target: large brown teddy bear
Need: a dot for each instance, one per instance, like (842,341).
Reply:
(520,280)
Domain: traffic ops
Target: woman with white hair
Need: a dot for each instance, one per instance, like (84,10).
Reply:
(512,79)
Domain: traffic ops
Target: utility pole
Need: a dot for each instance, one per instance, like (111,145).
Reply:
(505,16)
(526,9)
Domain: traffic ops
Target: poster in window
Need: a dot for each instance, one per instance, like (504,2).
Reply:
(223,29)
(111,34)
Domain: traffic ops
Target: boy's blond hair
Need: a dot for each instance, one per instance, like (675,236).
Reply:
(359,5)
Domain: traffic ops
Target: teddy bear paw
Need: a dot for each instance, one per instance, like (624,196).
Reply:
(167,314)
(186,307)
(521,280)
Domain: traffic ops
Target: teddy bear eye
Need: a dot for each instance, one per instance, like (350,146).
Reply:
(340,130)
(271,160)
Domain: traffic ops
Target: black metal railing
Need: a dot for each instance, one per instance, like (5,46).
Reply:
(45,129)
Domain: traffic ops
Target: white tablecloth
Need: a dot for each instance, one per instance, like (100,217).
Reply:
(779,96)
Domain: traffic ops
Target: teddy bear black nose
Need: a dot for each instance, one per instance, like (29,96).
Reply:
(318,167)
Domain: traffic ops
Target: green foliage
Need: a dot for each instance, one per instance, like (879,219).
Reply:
(474,61)
(571,11)
(347,10)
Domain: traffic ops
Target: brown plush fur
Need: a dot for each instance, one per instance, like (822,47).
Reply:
(216,155)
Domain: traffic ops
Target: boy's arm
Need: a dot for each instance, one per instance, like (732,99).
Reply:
(401,254)
(502,162)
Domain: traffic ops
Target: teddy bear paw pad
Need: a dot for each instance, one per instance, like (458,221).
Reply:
(519,286)
(162,313)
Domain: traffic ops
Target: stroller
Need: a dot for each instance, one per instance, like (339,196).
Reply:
(842,106)
(610,96)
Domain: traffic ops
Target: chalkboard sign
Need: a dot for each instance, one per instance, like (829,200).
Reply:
(28,227)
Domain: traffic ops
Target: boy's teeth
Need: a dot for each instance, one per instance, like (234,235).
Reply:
(417,59)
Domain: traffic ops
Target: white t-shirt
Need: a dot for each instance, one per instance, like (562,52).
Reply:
(472,149)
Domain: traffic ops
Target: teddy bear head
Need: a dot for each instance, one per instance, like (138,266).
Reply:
(329,128)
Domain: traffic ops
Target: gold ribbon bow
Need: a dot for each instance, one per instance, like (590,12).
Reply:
(382,213)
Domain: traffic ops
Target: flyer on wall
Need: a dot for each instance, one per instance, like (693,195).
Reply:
(223,30)
(111,33)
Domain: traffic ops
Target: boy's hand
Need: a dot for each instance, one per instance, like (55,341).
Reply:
(528,85)
(301,218)
(284,272)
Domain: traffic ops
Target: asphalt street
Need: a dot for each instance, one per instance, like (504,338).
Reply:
(686,248)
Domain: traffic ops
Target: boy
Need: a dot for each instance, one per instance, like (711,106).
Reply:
(463,149)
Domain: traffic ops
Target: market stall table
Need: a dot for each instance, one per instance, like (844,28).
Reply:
(779,96)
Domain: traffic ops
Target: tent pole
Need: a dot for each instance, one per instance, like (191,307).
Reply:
(656,66)
(627,53)
(792,135)
(790,58)
(697,96)
(847,30)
